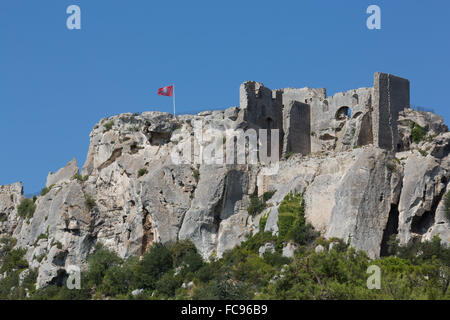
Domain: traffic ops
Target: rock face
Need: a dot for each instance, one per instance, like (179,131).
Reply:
(151,177)
(63,174)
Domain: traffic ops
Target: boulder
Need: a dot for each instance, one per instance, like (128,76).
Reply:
(289,250)
(268,247)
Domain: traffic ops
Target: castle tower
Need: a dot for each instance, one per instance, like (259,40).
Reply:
(391,95)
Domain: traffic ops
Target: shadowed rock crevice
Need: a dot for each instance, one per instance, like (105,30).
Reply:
(421,224)
(60,279)
(235,184)
(391,228)
(149,233)
(159,138)
(116,154)
(365,136)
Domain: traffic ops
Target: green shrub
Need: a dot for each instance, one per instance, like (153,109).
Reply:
(179,250)
(418,133)
(41,236)
(423,153)
(99,262)
(257,240)
(89,201)
(108,126)
(393,245)
(54,292)
(3,217)
(288,155)
(285,223)
(289,209)
(390,166)
(7,283)
(275,259)
(251,271)
(155,262)
(40,257)
(29,281)
(184,254)
(268,195)
(196,175)
(168,283)
(192,262)
(142,171)
(434,249)
(420,272)
(420,252)
(14,260)
(80,178)
(208,272)
(7,243)
(118,280)
(302,233)
(222,290)
(26,208)
(257,205)
(263,221)
(46,190)
(292,223)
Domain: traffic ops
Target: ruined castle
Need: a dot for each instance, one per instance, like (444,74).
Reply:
(310,122)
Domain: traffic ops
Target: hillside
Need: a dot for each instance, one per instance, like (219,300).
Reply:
(356,171)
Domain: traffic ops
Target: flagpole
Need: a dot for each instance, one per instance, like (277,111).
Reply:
(174,114)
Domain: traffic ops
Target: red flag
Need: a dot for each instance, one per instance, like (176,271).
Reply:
(166,91)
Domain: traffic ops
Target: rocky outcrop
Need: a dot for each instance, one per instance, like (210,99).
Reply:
(146,180)
(63,174)
(10,198)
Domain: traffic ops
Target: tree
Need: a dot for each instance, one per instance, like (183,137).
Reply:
(99,262)
(155,263)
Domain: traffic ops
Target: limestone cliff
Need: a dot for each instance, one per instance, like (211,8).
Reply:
(364,175)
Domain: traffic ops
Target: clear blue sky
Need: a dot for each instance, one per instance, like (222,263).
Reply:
(56,83)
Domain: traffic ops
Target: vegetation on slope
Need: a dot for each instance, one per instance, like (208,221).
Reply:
(418,133)
(26,208)
(177,271)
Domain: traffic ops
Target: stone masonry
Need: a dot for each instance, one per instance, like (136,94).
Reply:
(310,122)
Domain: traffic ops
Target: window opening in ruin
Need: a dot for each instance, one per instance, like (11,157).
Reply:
(355,100)
(343,113)
(356,115)
(325,106)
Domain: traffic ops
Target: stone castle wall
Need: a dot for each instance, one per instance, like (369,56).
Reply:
(309,121)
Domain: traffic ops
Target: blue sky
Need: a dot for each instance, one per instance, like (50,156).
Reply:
(55,83)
